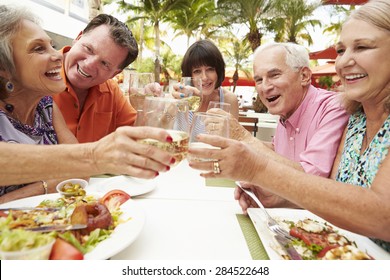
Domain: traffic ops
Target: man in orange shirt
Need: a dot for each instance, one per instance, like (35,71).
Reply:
(92,104)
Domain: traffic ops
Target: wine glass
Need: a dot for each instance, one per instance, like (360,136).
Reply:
(190,89)
(138,89)
(205,123)
(219,105)
(172,115)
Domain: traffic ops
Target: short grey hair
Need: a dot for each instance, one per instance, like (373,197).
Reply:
(297,56)
(11,18)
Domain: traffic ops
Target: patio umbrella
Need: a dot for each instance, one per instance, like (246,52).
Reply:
(244,78)
(327,69)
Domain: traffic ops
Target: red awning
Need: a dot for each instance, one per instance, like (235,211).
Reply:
(328,53)
(244,78)
(327,69)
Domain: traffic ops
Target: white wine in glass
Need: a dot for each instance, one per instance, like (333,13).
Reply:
(172,115)
(178,147)
(192,90)
(137,88)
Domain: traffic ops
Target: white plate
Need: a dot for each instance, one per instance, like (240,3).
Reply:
(259,220)
(123,235)
(133,186)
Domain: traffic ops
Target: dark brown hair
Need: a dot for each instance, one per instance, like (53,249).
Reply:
(203,53)
(119,32)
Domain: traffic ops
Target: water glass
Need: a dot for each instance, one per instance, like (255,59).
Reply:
(204,123)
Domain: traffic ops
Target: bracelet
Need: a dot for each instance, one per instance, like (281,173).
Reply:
(44,185)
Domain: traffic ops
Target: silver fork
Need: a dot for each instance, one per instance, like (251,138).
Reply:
(272,223)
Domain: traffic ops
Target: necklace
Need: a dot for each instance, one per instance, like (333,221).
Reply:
(9,108)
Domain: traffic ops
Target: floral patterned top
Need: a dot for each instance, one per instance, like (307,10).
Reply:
(359,169)
(41,133)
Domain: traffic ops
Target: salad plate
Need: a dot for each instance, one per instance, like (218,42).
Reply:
(122,236)
(273,248)
(132,186)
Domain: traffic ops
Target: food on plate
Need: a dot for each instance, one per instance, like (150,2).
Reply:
(19,244)
(85,210)
(73,189)
(317,240)
(347,252)
(63,250)
(114,198)
(94,215)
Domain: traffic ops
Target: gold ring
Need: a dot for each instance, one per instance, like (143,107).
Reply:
(217,170)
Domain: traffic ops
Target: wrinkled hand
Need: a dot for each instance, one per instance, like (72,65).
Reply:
(237,160)
(154,89)
(120,153)
(237,131)
(244,199)
(267,198)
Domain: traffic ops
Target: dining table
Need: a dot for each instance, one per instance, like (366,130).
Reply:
(190,218)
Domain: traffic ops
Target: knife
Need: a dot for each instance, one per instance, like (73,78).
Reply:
(288,247)
(50,209)
(57,228)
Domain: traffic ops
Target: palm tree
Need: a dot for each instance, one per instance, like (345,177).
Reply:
(236,52)
(248,12)
(342,13)
(289,20)
(153,12)
(192,21)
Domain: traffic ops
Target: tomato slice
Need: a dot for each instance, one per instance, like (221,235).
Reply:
(63,250)
(113,199)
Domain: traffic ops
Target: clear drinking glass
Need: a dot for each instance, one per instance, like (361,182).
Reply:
(204,123)
(172,115)
(219,105)
(138,89)
(191,89)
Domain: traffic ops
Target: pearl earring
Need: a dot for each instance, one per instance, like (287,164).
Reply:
(9,86)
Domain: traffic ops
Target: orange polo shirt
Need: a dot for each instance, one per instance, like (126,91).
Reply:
(105,109)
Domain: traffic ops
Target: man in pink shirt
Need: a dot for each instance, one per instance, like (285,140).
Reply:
(311,119)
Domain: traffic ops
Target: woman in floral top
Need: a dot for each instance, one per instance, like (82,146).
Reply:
(30,71)
(357,197)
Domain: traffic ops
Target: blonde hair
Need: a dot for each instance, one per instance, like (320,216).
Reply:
(377,13)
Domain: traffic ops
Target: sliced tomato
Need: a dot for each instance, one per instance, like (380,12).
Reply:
(114,198)
(309,238)
(63,250)
(323,252)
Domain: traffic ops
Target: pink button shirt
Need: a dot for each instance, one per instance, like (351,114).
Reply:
(311,135)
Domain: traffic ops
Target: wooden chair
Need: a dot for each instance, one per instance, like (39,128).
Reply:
(249,123)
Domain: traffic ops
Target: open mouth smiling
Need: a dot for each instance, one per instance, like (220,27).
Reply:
(353,77)
(54,74)
(82,73)
(272,98)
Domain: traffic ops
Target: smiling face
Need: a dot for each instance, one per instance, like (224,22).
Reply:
(93,59)
(209,78)
(280,87)
(363,61)
(37,63)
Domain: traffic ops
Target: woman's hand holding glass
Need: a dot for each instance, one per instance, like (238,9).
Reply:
(204,123)
(172,115)
(140,86)
(189,89)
